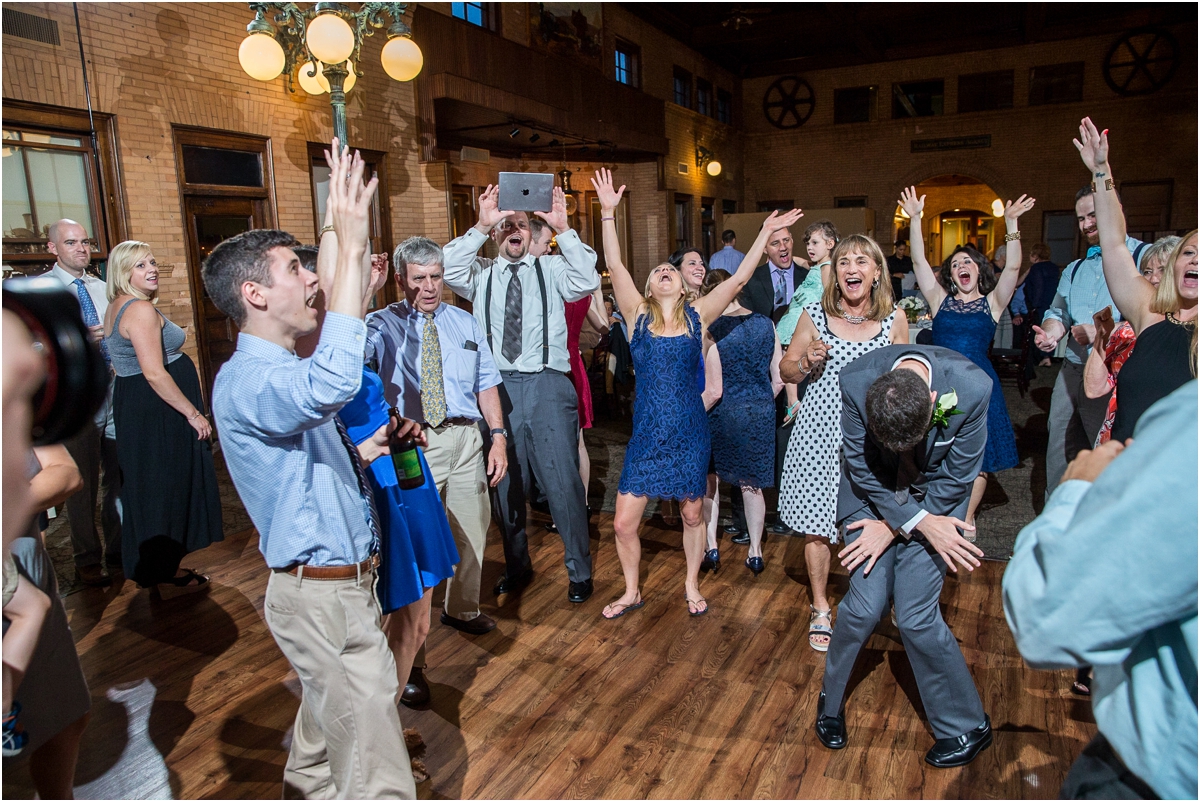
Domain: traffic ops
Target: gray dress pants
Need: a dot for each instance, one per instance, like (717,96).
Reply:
(541,414)
(911,573)
(1074,422)
(93,452)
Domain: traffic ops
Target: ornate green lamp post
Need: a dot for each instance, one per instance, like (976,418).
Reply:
(320,45)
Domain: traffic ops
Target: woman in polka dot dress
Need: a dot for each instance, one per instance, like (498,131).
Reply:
(855,315)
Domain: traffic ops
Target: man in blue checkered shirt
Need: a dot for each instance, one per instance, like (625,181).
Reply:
(302,483)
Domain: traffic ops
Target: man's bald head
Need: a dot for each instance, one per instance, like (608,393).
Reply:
(68,241)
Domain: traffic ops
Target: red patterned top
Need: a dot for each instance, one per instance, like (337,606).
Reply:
(1120,346)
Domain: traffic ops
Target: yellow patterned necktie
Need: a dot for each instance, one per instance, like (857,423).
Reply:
(433,390)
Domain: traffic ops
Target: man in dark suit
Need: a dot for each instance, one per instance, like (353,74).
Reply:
(914,426)
(770,289)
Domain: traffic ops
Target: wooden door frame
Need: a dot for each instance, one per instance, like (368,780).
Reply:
(264,196)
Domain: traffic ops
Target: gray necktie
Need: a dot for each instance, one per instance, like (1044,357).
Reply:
(511,348)
(780,290)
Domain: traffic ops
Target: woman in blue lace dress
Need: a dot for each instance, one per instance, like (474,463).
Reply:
(667,456)
(743,364)
(967,299)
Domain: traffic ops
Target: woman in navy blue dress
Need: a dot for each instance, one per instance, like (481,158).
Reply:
(667,456)
(745,356)
(967,299)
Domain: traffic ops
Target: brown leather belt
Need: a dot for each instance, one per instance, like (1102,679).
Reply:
(448,422)
(336,571)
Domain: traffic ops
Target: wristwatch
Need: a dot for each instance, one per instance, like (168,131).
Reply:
(503,432)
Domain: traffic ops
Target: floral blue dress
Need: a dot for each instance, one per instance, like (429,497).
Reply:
(969,328)
(418,549)
(742,423)
(667,456)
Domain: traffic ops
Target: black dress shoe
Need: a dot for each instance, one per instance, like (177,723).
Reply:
(579,592)
(950,752)
(551,527)
(730,529)
(416,690)
(831,730)
(513,584)
(741,539)
(479,625)
(780,528)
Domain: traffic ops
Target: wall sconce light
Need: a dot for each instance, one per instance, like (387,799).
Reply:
(704,156)
(564,176)
(997,208)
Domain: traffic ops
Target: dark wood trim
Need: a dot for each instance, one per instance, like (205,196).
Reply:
(106,166)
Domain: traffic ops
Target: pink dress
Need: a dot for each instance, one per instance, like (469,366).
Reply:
(576,312)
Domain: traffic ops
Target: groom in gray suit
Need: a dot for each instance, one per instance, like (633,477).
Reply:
(914,425)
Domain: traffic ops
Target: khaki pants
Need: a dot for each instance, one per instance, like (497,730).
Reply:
(347,741)
(456,460)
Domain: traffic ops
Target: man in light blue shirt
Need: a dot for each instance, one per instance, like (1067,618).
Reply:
(729,257)
(518,301)
(1075,419)
(437,369)
(1106,577)
(302,482)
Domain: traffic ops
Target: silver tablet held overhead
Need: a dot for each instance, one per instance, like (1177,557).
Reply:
(526,192)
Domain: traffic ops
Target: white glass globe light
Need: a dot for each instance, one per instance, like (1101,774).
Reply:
(261,57)
(311,79)
(330,38)
(997,208)
(714,168)
(401,58)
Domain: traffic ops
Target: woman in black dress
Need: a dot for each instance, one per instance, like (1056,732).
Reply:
(169,493)
(1164,319)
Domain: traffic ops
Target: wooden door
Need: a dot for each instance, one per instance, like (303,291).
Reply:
(211,220)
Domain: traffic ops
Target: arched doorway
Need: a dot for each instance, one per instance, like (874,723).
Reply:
(959,210)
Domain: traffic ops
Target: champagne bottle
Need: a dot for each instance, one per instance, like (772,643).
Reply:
(405,457)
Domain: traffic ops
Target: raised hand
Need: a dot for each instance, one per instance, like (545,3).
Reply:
(489,209)
(349,199)
(603,183)
(556,218)
(776,221)
(1014,209)
(379,272)
(1092,145)
(911,204)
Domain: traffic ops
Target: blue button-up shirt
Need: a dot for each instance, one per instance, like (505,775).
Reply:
(1082,292)
(394,338)
(274,412)
(1106,577)
(728,258)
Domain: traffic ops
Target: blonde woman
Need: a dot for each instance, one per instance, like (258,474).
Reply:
(1163,319)
(169,496)
(855,315)
(667,456)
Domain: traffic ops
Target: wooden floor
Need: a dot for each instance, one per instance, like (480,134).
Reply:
(193,699)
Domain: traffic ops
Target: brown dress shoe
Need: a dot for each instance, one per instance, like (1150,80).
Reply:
(416,690)
(93,576)
(479,625)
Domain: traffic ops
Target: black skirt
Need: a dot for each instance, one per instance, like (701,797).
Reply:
(170,504)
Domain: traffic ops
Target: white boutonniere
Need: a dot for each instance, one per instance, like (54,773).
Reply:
(947,405)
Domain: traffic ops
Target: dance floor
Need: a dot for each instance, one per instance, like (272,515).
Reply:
(192,698)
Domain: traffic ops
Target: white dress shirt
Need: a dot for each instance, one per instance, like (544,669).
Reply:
(568,278)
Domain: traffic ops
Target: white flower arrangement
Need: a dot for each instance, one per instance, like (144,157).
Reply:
(913,302)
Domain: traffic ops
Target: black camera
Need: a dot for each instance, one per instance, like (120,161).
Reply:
(76,375)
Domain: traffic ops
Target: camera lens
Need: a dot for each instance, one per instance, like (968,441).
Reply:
(76,375)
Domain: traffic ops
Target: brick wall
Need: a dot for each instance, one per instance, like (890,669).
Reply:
(1154,137)
(158,65)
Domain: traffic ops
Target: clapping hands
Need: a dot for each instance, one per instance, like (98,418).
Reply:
(349,199)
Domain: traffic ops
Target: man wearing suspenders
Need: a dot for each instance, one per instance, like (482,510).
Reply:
(1075,419)
(518,301)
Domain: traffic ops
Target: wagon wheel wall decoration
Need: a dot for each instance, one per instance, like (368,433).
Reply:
(788,102)
(1141,61)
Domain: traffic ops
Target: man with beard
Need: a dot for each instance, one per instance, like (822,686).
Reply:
(1075,419)
(518,300)
(770,289)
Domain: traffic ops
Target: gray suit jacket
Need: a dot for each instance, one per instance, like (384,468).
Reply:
(949,459)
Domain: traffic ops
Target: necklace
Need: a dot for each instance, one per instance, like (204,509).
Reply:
(853,320)
(1171,317)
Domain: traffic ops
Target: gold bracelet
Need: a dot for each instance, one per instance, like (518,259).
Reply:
(324,229)
(1108,185)
(1013,237)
